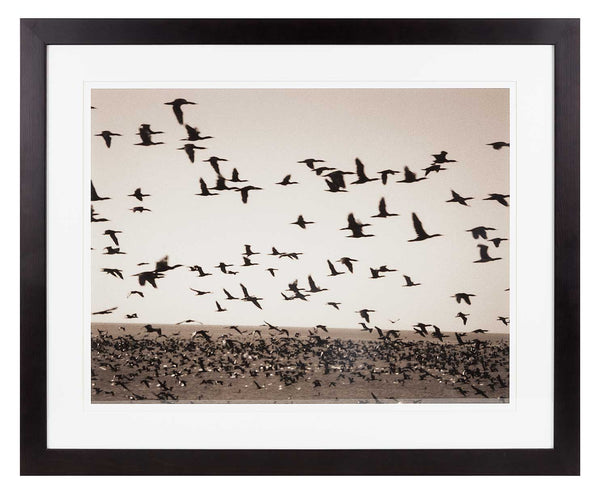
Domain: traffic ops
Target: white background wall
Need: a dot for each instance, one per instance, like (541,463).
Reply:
(9,195)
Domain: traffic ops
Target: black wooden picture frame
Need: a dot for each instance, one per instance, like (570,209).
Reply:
(37,459)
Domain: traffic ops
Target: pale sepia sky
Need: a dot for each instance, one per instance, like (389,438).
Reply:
(263,133)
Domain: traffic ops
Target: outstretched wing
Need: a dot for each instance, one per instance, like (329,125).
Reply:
(245,290)
(360,169)
(178,113)
(418,226)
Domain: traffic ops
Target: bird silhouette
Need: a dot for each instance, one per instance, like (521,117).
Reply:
(497,241)
(498,144)
(441,158)
(286,181)
(337,177)
(310,162)
(199,292)
(466,297)
(503,320)
(162,265)
(364,313)
(248,251)
(94,216)
(110,251)
(229,296)
(117,273)
(272,271)
(94,195)
(219,308)
(177,110)
(223,267)
(235,177)
(333,271)
(204,191)
(151,329)
(248,262)
(322,169)
(360,172)
(384,175)
(245,190)
(250,298)
(190,151)
(480,331)
(459,199)
(139,209)
(149,277)
(146,133)
(137,193)
(333,187)
(347,261)
(301,222)
(105,311)
(200,271)
(463,317)
(221,185)
(335,305)
(113,235)
(409,281)
(420,231)
(375,273)
(383,213)
(459,339)
(480,231)
(410,177)
(501,198)
(214,162)
(135,292)
(434,167)
(193,134)
(107,135)
(313,287)
(484,256)
(356,227)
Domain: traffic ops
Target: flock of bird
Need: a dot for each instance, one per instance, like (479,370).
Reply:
(387,346)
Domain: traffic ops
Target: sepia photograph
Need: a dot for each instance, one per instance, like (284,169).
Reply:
(300,245)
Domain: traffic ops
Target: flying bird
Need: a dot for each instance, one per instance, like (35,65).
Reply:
(194,134)
(105,311)
(463,317)
(137,193)
(383,213)
(501,198)
(117,273)
(219,308)
(466,297)
(484,256)
(364,313)
(410,177)
(177,110)
(409,281)
(245,190)
(384,175)
(420,231)
(480,231)
(497,241)
(301,222)
(107,135)
(190,150)
(286,181)
(214,162)
(459,199)
(498,144)
(146,133)
(441,158)
(310,162)
(360,172)
(113,235)
(204,189)
(94,195)
(334,272)
(356,227)
(199,292)
(347,261)
(139,209)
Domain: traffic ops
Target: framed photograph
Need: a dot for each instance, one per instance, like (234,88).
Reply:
(300,247)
